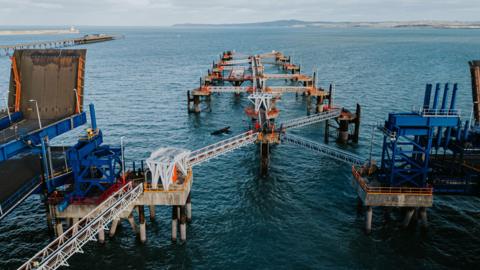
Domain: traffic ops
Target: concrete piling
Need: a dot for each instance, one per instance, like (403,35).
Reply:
(101,235)
(74,222)
(174,223)
(356,130)
(319,107)
(327,131)
(188,208)
(368,219)
(113,227)
(143,227)
(58,227)
(132,222)
(152,212)
(408,216)
(343,132)
(423,216)
(196,104)
(183,224)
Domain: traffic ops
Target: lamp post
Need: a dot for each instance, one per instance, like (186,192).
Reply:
(123,158)
(76,99)
(8,109)
(38,113)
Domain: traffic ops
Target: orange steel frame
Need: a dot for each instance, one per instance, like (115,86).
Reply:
(18,84)
(80,75)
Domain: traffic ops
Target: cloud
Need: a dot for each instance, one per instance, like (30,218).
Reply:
(167,12)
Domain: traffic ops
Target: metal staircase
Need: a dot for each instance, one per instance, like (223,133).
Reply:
(63,247)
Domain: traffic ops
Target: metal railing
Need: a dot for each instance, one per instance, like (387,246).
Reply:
(19,196)
(288,89)
(71,241)
(329,151)
(208,152)
(312,119)
(235,62)
(388,190)
(229,89)
(440,112)
(391,134)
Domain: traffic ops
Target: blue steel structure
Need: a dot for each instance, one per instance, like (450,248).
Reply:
(95,167)
(410,137)
(27,141)
(10,119)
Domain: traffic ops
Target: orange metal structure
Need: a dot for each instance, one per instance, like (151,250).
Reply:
(18,84)
(80,80)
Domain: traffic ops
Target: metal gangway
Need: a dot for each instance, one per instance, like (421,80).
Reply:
(71,241)
(312,119)
(324,149)
(235,62)
(208,152)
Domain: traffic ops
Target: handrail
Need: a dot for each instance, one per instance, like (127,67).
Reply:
(221,147)
(312,119)
(388,190)
(71,241)
(440,112)
(332,152)
(19,196)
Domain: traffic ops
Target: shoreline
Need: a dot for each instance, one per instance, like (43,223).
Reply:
(38,32)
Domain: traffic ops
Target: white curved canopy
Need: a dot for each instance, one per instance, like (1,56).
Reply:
(163,161)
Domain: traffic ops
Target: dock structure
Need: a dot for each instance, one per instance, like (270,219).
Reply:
(38,111)
(103,190)
(7,50)
(239,74)
(425,152)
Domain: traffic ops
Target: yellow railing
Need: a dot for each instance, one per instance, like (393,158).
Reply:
(388,190)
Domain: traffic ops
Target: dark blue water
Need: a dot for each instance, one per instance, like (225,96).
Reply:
(303,215)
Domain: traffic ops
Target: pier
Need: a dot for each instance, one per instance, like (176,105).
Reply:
(7,50)
(104,190)
(94,189)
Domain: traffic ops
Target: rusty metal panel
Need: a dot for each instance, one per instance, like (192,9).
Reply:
(475,72)
(48,76)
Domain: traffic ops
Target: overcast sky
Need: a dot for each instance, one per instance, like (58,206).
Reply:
(168,12)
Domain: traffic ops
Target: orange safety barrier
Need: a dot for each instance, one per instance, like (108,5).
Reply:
(18,84)
(388,190)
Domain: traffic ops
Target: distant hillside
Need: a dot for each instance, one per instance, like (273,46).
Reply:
(298,23)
